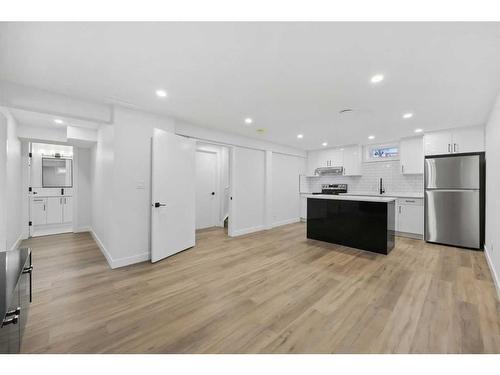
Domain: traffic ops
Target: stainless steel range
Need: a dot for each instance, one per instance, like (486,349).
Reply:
(333,189)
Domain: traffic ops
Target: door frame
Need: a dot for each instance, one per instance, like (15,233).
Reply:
(216,216)
(59,228)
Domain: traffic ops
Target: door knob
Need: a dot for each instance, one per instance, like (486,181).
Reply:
(158,204)
(213,192)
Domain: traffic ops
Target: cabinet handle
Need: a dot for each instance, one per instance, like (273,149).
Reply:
(44,206)
(409,201)
(399,209)
(12,320)
(449,147)
(402,168)
(13,312)
(30,271)
(60,200)
(454,147)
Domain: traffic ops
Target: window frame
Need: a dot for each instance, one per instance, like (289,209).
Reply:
(369,152)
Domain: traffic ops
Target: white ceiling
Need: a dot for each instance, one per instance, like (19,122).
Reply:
(45,120)
(289,77)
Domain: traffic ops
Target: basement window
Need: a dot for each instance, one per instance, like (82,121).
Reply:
(382,152)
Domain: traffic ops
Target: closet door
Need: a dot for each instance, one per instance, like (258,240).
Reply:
(54,210)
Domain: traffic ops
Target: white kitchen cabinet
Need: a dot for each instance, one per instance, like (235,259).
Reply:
(410,216)
(67,210)
(411,155)
(468,139)
(333,157)
(54,210)
(38,211)
(352,160)
(458,140)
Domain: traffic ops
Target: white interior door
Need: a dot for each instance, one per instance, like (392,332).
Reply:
(206,189)
(173,194)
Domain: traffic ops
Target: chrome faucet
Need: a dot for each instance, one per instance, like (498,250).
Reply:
(381,189)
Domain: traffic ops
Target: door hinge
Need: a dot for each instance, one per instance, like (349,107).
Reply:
(30,223)
(30,155)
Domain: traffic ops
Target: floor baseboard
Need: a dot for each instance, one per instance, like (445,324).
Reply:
(494,275)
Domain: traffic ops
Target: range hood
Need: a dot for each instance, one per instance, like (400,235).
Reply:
(335,171)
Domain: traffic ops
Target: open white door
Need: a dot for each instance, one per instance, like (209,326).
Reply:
(173,194)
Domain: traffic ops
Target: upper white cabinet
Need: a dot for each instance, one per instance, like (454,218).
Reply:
(411,155)
(458,140)
(347,157)
(352,160)
(468,139)
(333,157)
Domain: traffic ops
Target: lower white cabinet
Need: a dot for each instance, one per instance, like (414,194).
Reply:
(54,210)
(51,210)
(38,211)
(67,210)
(410,216)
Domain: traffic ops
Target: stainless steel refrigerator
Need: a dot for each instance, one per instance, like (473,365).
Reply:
(454,199)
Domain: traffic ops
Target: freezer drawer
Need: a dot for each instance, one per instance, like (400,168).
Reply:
(453,172)
(452,217)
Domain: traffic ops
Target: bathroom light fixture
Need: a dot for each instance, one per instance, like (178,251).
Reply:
(161,93)
(248,121)
(408,115)
(58,121)
(371,137)
(300,136)
(324,144)
(377,78)
(419,130)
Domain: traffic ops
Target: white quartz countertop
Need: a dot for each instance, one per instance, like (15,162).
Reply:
(360,198)
(395,195)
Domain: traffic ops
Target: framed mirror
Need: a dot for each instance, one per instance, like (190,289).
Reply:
(57,173)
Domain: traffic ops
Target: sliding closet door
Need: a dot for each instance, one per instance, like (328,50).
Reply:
(248,191)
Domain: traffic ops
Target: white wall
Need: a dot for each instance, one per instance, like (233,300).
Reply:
(11,182)
(82,204)
(390,171)
(285,188)
(492,241)
(101,180)
(248,186)
(3,182)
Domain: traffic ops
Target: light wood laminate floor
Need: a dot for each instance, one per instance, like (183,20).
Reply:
(268,292)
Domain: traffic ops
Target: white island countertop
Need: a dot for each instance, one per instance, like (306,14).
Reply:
(359,198)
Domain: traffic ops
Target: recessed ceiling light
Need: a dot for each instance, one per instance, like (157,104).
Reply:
(300,136)
(248,121)
(161,93)
(408,115)
(58,121)
(377,78)
(324,144)
(419,130)
(371,137)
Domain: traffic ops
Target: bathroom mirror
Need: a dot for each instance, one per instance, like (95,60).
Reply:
(57,173)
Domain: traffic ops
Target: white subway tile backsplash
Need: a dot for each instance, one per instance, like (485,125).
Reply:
(389,171)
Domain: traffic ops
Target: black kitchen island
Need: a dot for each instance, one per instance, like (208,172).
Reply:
(362,222)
